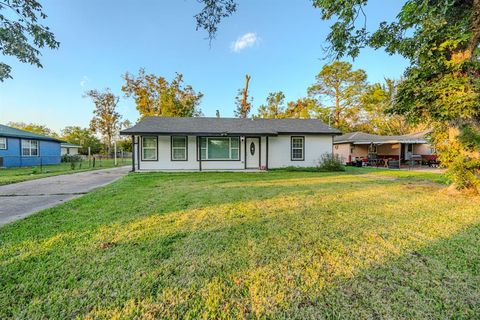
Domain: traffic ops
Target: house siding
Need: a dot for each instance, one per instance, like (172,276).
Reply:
(49,153)
(423,149)
(69,150)
(343,151)
(278,154)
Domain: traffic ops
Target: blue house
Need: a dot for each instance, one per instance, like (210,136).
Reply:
(19,148)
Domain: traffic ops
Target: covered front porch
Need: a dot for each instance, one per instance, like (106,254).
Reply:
(392,155)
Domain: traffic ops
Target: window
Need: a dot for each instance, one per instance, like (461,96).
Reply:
(29,148)
(372,148)
(298,148)
(3,143)
(221,148)
(179,148)
(149,148)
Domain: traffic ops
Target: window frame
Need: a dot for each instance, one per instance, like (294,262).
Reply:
(184,148)
(29,155)
(296,148)
(142,148)
(199,148)
(6,143)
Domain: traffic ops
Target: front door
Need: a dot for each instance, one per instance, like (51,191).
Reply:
(253,153)
(406,151)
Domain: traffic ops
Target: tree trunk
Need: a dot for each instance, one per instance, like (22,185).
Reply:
(337,107)
(475,27)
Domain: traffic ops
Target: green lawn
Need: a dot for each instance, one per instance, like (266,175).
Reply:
(12,175)
(360,244)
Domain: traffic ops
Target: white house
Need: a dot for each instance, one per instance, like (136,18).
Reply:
(164,143)
(69,148)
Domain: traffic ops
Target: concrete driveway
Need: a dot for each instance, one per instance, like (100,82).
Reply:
(21,199)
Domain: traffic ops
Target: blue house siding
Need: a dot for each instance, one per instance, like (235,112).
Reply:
(49,153)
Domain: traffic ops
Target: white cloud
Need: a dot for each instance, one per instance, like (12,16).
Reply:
(84,81)
(247,40)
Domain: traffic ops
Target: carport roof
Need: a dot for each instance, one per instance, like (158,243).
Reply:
(229,126)
(366,138)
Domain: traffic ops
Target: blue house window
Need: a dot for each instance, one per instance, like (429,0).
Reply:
(3,143)
(29,148)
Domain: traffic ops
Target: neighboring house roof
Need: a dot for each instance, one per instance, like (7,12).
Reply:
(6,131)
(367,138)
(69,145)
(228,126)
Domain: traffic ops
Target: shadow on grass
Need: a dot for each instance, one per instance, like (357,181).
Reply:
(437,281)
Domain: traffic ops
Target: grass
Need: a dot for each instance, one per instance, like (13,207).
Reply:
(300,245)
(13,175)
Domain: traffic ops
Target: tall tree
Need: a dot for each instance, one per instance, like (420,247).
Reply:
(242,101)
(124,143)
(303,108)
(340,88)
(22,34)
(441,39)
(33,127)
(375,102)
(106,119)
(156,96)
(83,137)
(275,107)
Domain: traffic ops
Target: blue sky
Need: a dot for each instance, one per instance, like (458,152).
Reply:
(101,40)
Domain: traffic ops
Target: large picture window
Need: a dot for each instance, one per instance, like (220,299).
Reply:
(298,148)
(3,143)
(179,148)
(221,148)
(149,148)
(29,148)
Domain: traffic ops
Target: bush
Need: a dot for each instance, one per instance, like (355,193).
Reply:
(462,171)
(71,158)
(330,162)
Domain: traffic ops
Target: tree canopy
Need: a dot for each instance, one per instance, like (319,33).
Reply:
(83,137)
(274,108)
(441,86)
(106,119)
(339,88)
(375,102)
(156,96)
(22,34)
(33,127)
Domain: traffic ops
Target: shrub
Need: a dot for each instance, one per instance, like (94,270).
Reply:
(330,162)
(463,173)
(71,158)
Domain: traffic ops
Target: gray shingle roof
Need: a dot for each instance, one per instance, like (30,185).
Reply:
(214,126)
(6,131)
(366,138)
(69,145)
